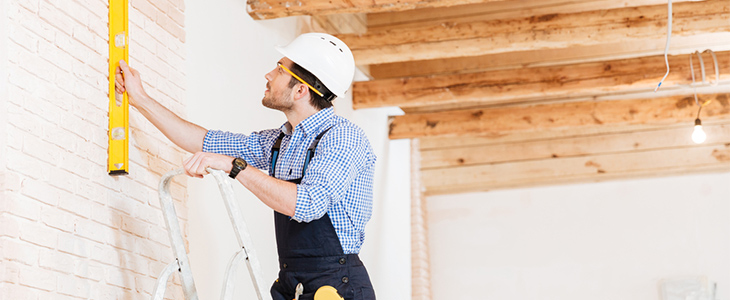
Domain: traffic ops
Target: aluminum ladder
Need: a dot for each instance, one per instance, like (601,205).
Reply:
(181,263)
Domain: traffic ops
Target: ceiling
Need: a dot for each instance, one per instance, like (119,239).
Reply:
(502,94)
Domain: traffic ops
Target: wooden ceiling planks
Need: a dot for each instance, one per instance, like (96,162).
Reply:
(719,41)
(502,120)
(496,10)
(271,9)
(552,31)
(603,143)
(519,93)
(592,168)
(484,89)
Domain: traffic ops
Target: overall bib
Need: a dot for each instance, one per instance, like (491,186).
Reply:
(311,254)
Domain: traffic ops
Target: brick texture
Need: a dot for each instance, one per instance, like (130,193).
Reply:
(69,230)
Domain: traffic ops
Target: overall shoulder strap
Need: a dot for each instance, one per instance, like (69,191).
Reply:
(312,149)
(275,154)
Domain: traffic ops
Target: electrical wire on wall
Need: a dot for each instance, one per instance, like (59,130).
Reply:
(669,39)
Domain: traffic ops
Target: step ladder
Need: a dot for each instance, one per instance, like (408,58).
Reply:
(181,265)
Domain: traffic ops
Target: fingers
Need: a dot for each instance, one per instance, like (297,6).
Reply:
(197,165)
(118,73)
(194,166)
(122,71)
(119,81)
(126,71)
(129,80)
(124,66)
(186,165)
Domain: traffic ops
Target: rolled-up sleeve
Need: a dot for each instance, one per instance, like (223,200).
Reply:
(251,148)
(340,157)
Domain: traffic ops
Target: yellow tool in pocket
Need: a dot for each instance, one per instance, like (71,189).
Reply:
(327,293)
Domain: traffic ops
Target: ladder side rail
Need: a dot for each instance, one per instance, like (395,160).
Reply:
(161,286)
(176,239)
(240,229)
(228,285)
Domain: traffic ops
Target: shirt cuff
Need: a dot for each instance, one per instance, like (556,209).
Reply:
(300,205)
(306,209)
(207,145)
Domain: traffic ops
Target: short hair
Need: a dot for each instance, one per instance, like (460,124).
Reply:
(316,100)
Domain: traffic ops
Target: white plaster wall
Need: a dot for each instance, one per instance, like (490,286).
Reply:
(612,240)
(228,55)
(3,91)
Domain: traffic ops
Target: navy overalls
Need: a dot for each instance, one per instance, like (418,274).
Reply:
(311,254)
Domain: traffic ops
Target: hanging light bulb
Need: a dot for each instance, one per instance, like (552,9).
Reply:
(698,135)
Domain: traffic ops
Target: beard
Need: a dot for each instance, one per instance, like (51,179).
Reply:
(277,101)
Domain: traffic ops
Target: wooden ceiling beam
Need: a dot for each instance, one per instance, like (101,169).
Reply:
(553,31)
(512,137)
(339,24)
(520,85)
(550,57)
(581,169)
(271,9)
(617,142)
(498,10)
(503,120)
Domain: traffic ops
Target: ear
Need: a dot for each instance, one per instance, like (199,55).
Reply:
(300,91)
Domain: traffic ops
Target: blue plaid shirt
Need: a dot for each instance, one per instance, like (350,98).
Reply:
(338,179)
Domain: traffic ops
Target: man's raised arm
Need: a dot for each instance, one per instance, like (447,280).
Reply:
(186,135)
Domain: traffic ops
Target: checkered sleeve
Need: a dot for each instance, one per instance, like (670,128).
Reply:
(253,148)
(342,155)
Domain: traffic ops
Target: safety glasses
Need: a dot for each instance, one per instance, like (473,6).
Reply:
(300,80)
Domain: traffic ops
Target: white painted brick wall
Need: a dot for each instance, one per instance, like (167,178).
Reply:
(69,230)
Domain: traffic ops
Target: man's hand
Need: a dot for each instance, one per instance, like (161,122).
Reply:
(129,80)
(196,165)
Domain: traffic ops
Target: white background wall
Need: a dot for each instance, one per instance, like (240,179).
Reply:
(3,88)
(612,240)
(228,55)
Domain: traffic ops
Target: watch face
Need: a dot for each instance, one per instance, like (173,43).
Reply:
(239,162)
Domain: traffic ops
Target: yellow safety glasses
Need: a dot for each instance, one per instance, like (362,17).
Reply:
(301,80)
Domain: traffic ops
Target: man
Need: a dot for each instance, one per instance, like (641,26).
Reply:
(320,165)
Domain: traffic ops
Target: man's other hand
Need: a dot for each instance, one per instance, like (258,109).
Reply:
(196,165)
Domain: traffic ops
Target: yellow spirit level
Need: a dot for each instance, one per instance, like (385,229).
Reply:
(118,163)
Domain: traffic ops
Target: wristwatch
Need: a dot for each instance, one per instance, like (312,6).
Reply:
(238,165)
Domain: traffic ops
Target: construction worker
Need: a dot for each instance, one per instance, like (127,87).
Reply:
(320,165)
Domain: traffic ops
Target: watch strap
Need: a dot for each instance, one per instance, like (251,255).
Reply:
(237,168)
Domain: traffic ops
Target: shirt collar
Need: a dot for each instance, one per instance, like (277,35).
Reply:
(286,128)
(311,124)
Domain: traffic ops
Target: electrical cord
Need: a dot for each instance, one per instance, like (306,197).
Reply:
(702,69)
(717,68)
(666,48)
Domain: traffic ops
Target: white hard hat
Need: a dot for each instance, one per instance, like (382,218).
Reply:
(326,57)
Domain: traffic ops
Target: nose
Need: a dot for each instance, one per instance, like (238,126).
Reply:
(270,76)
